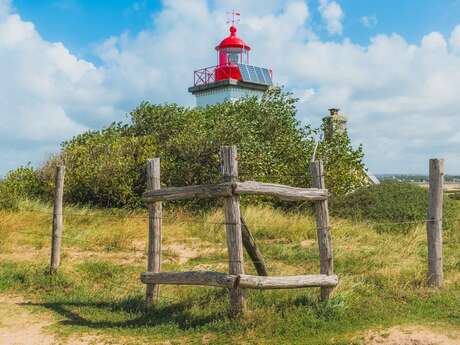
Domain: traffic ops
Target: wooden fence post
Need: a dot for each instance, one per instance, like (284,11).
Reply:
(154,236)
(233,227)
(322,227)
(434,223)
(56,237)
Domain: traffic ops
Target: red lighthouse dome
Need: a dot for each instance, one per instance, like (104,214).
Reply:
(233,41)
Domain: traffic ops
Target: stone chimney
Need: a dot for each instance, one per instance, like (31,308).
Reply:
(334,123)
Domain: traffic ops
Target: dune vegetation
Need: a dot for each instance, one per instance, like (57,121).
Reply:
(97,292)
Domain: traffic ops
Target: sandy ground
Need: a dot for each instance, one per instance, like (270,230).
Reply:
(413,336)
(19,325)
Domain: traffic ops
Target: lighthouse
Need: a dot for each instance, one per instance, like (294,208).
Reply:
(233,77)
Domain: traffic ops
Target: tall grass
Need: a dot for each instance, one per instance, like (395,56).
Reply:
(382,277)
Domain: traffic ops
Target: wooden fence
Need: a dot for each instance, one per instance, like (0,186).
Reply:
(230,189)
(239,235)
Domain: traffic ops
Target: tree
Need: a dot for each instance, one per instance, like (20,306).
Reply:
(343,165)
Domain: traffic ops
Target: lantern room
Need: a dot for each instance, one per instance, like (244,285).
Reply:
(233,77)
(231,52)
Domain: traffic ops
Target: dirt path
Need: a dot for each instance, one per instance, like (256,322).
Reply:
(18,326)
(21,326)
(413,336)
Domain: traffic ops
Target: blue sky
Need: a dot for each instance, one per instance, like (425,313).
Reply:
(393,67)
(82,23)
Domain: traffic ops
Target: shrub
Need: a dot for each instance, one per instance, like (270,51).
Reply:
(107,167)
(8,199)
(390,202)
(25,182)
(270,140)
(22,183)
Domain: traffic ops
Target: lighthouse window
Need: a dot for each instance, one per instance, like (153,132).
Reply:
(233,58)
(233,55)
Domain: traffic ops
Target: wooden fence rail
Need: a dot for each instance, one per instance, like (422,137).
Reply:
(227,189)
(245,281)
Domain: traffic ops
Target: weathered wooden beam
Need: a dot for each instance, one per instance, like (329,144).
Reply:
(434,223)
(239,188)
(233,281)
(287,282)
(233,227)
(323,229)
(189,192)
(280,191)
(205,278)
(56,236)
(152,293)
(253,251)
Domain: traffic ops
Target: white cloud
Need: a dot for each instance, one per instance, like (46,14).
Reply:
(5,8)
(434,41)
(332,14)
(401,98)
(369,21)
(47,94)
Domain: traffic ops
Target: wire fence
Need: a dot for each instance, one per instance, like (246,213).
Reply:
(195,221)
(218,226)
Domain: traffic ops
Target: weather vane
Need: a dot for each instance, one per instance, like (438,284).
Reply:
(233,17)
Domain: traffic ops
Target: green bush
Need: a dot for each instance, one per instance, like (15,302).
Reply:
(25,182)
(22,183)
(8,199)
(107,167)
(388,203)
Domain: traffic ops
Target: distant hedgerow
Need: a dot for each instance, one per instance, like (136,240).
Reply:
(390,206)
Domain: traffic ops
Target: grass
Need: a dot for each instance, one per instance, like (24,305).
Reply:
(98,291)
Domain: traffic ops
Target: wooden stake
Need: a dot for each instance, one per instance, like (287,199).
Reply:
(155,224)
(322,227)
(233,227)
(56,236)
(252,250)
(434,223)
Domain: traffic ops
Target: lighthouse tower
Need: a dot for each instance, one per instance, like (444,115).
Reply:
(233,77)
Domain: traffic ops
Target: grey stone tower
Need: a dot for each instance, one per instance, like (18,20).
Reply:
(337,123)
(334,123)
